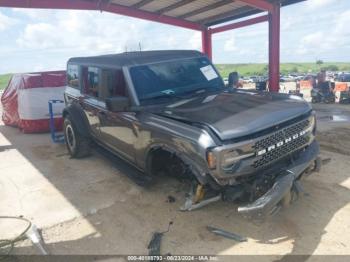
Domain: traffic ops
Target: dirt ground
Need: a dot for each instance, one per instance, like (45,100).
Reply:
(90,206)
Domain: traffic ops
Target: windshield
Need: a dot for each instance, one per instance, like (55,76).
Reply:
(175,79)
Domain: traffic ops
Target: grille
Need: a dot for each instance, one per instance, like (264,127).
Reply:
(280,152)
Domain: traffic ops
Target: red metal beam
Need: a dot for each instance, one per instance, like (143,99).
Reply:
(274,48)
(240,24)
(102,6)
(260,4)
(207,42)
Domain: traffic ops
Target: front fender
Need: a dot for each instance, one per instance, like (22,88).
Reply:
(195,163)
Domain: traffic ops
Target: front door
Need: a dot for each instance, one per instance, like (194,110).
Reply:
(89,100)
(115,130)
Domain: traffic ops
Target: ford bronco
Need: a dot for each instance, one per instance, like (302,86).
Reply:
(170,112)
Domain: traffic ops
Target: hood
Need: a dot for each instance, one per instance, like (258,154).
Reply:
(240,113)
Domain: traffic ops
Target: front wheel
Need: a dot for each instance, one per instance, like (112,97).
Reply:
(78,146)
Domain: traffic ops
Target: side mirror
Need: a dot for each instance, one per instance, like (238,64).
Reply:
(117,104)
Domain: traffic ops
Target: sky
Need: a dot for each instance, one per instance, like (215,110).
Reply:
(34,40)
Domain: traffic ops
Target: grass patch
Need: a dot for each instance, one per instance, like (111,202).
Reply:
(4,79)
(285,68)
(253,69)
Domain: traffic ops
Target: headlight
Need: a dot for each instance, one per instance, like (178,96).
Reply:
(312,126)
(230,158)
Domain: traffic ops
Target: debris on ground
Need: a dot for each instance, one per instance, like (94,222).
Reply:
(154,244)
(223,233)
(36,238)
(31,232)
(171,199)
(195,198)
(326,161)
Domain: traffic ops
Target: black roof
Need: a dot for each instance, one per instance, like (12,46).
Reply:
(134,58)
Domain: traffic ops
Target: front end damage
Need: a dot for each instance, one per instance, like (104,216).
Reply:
(286,185)
(262,195)
(262,182)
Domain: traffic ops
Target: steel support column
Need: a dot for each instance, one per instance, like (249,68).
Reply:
(207,42)
(274,48)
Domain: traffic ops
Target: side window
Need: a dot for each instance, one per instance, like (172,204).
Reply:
(91,81)
(112,83)
(73,76)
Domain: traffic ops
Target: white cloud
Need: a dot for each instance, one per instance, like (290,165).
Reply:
(323,41)
(35,13)
(230,44)
(6,22)
(343,23)
(84,31)
(313,4)
(96,33)
(196,41)
(40,35)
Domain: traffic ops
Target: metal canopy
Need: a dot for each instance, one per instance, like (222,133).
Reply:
(203,12)
(202,15)
(194,13)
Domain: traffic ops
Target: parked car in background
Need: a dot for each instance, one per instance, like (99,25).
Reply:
(344,77)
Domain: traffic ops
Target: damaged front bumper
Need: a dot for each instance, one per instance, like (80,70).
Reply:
(283,184)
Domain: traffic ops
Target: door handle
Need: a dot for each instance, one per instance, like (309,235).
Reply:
(102,113)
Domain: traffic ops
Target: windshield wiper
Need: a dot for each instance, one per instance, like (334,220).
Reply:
(202,90)
(164,96)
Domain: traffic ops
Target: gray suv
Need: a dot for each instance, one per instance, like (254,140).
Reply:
(170,112)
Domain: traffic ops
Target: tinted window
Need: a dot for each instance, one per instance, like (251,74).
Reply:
(175,78)
(73,75)
(91,80)
(112,83)
(103,83)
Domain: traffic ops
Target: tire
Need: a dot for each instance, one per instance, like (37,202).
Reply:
(78,146)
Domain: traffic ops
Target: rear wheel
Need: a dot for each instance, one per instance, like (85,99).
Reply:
(78,146)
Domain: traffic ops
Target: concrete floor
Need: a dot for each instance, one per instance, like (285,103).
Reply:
(90,206)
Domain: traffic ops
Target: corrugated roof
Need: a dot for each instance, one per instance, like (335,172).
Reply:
(192,14)
(204,12)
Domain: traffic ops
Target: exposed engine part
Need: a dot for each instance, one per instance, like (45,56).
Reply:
(232,193)
(199,193)
(196,201)
(227,234)
(266,204)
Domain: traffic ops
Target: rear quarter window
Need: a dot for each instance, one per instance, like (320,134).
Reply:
(73,76)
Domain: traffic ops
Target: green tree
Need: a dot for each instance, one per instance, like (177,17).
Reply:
(330,68)
(319,62)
